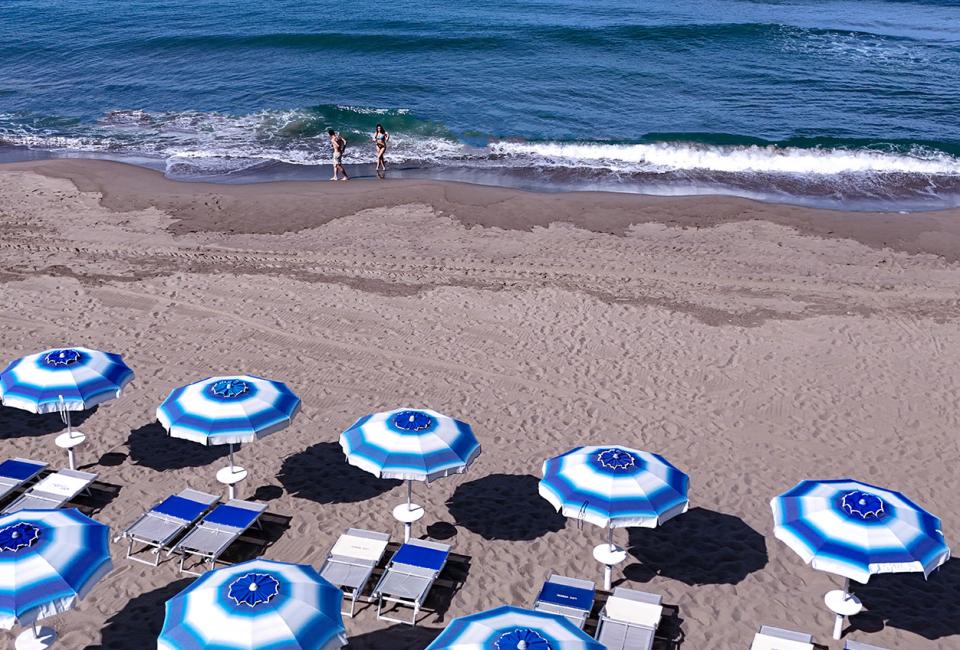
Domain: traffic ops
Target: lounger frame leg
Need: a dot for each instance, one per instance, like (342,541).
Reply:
(353,602)
(155,553)
(399,602)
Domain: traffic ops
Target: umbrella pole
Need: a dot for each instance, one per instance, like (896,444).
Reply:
(406,513)
(64,414)
(610,538)
(838,623)
(231,475)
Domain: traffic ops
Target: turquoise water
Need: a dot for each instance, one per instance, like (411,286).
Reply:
(854,103)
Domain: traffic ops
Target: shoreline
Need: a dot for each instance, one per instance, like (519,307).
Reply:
(297,205)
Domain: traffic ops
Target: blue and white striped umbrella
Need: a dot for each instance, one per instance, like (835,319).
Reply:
(260,604)
(855,530)
(614,487)
(63,379)
(228,410)
(410,444)
(512,628)
(48,560)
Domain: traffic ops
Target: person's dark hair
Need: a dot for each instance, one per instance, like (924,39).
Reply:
(331,132)
(380,127)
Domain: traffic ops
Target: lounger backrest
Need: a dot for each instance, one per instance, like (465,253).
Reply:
(360,547)
(568,592)
(234,515)
(422,554)
(855,645)
(180,508)
(20,469)
(65,483)
(789,635)
(635,607)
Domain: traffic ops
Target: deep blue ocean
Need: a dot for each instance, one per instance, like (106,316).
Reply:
(853,103)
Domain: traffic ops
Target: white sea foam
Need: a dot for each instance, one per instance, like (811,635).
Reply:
(212,143)
(674,156)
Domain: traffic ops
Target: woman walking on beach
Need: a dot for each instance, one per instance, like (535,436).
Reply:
(381,137)
(339,145)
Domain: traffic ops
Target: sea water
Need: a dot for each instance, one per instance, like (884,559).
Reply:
(832,102)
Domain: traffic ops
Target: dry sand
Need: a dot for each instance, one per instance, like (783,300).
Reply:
(752,345)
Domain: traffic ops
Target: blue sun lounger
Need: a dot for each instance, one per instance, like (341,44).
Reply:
(161,524)
(217,531)
(409,577)
(571,598)
(17,472)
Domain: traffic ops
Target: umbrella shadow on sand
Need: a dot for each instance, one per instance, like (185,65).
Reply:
(321,473)
(396,636)
(151,447)
(504,506)
(138,624)
(929,608)
(17,423)
(699,547)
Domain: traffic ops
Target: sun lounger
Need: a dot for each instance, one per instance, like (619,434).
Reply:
(629,620)
(411,573)
(217,531)
(161,524)
(352,560)
(53,491)
(773,638)
(856,645)
(16,472)
(568,597)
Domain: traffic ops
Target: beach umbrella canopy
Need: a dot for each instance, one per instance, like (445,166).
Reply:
(855,529)
(258,604)
(228,410)
(613,486)
(48,560)
(63,379)
(410,444)
(512,628)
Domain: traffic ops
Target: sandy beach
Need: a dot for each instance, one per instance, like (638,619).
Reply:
(753,345)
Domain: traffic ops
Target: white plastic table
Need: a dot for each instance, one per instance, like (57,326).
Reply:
(68,441)
(407,514)
(609,556)
(230,476)
(36,638)
(842,603)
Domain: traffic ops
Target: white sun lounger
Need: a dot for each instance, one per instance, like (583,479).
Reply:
(160,525)
(571,598)
(629,620)
(773,638)
(217,531)
(411,573)
(17,471)
(352,560)
(53,491)
(856,645)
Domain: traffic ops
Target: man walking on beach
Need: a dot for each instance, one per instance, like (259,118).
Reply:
(339,145)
